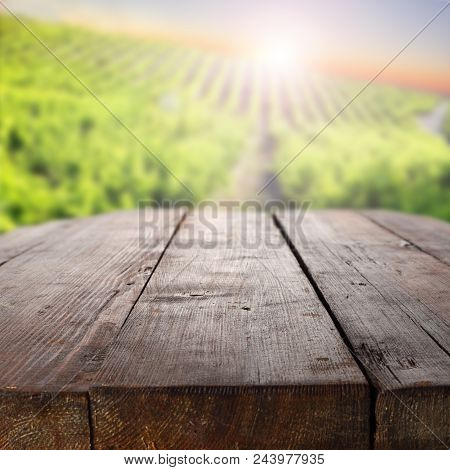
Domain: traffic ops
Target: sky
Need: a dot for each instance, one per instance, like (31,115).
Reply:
(351,37)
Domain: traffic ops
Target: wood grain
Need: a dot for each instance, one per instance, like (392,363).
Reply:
(256,417)
(229,347)
(44,420)
(430,235)
(62,302)
(391,301)
(22,239)
(214,333)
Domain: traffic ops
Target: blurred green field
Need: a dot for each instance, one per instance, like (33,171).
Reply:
(63,155)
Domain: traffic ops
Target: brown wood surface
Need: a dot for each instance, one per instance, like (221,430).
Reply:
(391,301)
(248,353)
(109,339)
(62,302)
(429,235)
(23,239)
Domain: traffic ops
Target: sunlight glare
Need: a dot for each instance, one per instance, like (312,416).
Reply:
(278,52)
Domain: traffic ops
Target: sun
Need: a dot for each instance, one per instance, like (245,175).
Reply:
(277,52)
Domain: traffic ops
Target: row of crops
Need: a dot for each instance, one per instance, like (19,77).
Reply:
(63,154)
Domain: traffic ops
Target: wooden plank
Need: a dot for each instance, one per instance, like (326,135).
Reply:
(19,241)
(62,302)
(428,234)
(229,347)
(391,301)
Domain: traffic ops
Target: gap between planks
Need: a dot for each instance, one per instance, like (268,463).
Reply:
(174,233)
(371,215)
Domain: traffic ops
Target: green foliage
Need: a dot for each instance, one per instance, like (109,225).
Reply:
(373,155)
(63,154)
(385,166)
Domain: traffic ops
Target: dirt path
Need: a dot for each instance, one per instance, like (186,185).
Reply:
(434,121)
(255,168)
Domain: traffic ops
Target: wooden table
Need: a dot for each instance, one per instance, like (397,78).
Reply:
(203,331)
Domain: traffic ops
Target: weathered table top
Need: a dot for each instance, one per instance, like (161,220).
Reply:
(203,331)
